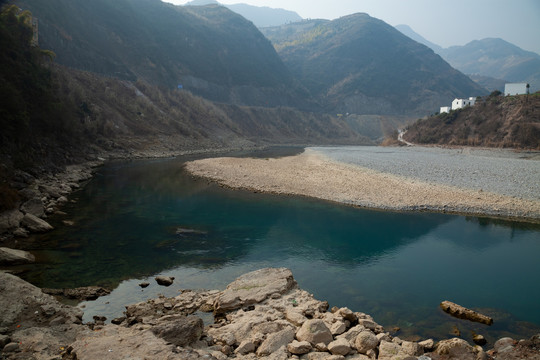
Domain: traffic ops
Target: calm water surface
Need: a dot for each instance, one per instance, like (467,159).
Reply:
(135,220)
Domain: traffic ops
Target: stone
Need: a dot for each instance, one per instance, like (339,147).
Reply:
(351,334)
(179,330)
(82,293)
(4,340)
(314,331)
(338,327)
(367,323)
(144,284)
(428,344)
(35,224)
(504,344)
(275,341)
(388,350)
(253,288)
(339,347)
(455,349)
(33,206)
(14,257)
(164,280)
(247,346)
(479,339)
(323,356)
(464,313)
(295,317)
(299,347)
(347,314)
(10,219)
(20,232)
(11,347)
(366,341)
(411,348)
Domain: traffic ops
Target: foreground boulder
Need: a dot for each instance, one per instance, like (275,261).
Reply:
(254,287)
(33,325)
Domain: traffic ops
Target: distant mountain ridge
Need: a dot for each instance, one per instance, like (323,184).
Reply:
(490,62)
(209,50)
(496,58)
(261,16)
(359,64)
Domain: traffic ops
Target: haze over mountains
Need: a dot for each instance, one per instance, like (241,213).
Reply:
(491,62)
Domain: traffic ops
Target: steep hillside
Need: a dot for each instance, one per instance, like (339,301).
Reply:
(209,50)
(496,58)
(359,64)
(496,121)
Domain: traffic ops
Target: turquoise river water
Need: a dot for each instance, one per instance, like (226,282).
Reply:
(137,219)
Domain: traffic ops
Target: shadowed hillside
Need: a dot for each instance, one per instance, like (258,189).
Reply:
(209,50)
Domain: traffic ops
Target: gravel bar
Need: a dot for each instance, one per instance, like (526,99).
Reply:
(504,172)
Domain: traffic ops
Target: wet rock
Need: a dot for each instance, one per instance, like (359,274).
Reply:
(118,320)
(13,257)
(366,341)
(35,224)
(315,331)
(144,284)
(20,232)
(339,347)
(464,313)
(81,293)
(504,344)
(10,220)
(253,288)
(299,347)
(164,280)
(179,330)
(479,340)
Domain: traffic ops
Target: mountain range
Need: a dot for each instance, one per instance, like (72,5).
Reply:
(359,64)
(491,62)
(208,50)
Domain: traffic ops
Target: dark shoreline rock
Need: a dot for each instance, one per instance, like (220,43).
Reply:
(80,293)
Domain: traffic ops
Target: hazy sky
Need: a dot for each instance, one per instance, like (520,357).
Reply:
(446,23)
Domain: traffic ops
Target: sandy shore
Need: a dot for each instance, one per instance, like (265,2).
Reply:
(315,175)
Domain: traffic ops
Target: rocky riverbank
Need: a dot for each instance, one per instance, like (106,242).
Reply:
(261,315)
(315,175)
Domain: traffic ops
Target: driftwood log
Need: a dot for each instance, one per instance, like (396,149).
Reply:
(464,313)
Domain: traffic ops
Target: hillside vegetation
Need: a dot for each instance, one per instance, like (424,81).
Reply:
(495,121)
(359,64)
(209,50)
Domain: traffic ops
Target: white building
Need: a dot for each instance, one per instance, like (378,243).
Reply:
(445,109)
(516,89)
(461,103)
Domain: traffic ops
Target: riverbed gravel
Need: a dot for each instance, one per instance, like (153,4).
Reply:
(499,171)
(472,182)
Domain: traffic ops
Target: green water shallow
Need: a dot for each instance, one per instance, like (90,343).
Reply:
(138,219)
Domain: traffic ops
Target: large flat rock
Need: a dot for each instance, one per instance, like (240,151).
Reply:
(253,288)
